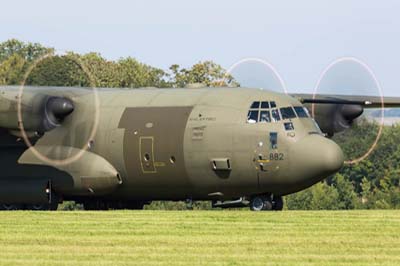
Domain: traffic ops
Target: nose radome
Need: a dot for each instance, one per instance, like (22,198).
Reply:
(314,158)
(332,157)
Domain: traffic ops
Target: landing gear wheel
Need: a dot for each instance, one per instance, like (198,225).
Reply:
(37,207)
(135,205)
(51,206)
(95,205)
(260,203)
(55,200)
(278,203)
(10,207)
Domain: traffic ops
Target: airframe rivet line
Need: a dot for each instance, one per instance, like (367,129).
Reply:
(78,155)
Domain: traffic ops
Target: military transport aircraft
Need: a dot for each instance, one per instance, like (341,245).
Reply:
(121,149)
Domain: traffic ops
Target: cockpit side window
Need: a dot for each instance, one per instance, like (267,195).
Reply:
(288,113)
(265,116)
(255,105)
(259,112)
(289,126)
(264,112)
(275,115)
(252,116)
(264,105)
(301,111)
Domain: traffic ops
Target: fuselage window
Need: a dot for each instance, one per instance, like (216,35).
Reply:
(288,113)
(265,116)
(301,112)
(252,116)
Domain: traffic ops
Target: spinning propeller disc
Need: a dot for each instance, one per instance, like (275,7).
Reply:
(351,76)
(75,156)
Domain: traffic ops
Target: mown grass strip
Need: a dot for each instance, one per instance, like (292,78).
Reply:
(200,238)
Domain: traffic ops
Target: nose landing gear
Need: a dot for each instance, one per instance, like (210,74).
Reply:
(266,203)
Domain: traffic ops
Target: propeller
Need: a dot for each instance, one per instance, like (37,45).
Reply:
(345,76)
(254,72)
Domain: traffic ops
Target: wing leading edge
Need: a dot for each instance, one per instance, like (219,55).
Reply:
(365,101)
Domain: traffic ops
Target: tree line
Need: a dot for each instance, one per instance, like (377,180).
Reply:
(34,64)
(374,183)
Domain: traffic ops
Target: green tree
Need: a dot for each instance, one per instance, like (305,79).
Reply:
(347,197)
(300,200)
(15,59)
(134,74)
(28,51)
(324,197)
(12,70)
(208,73)
(58,71)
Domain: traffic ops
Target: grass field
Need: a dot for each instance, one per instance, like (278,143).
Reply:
(200,238)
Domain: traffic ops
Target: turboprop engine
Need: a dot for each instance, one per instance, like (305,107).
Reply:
(39,113)
(335,118)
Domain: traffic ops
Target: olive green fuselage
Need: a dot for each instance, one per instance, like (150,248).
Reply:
(172,144)
(164,143)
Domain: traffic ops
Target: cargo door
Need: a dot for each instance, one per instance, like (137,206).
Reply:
(146,150)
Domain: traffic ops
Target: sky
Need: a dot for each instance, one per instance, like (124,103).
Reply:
(298,38)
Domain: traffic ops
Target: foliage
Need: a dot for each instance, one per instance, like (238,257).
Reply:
(15,59)
(27,51)
(208,73)
(58,71)
(47,69)
(70,206)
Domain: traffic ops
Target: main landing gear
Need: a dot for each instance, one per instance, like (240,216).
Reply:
(266,203)
(52,205)
(30,207)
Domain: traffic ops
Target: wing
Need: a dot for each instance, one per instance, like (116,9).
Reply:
(40,109)
(364,101)
(336,113)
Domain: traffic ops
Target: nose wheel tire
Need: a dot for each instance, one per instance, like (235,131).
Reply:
(260,203)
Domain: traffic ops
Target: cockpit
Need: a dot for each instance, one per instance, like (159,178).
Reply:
(268,112)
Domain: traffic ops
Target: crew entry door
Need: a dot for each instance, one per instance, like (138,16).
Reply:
(273,161)
(264,151)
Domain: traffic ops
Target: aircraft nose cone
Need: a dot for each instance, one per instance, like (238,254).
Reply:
(315,158)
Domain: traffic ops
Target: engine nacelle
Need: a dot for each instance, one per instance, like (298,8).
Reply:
(334,118)
(40,113)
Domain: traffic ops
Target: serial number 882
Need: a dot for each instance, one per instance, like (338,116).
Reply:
(276,156)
